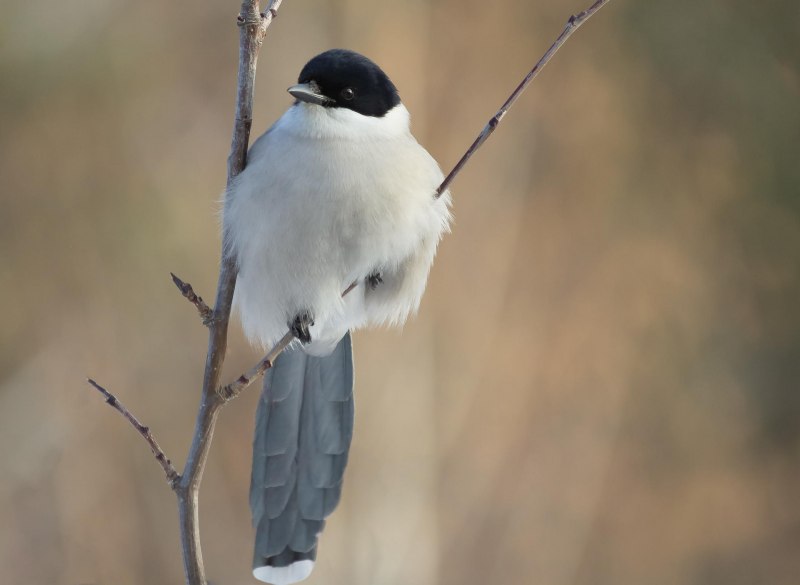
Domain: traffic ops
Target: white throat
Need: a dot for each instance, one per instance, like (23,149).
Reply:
(315,121)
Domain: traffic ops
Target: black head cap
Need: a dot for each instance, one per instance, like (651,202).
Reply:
(351,81)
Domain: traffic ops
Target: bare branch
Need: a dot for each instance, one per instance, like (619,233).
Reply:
(572,25)
(172,476)
(252,29)
(206,314)
(349,288)
(232,390)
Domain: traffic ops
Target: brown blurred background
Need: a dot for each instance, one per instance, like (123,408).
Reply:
(602,384)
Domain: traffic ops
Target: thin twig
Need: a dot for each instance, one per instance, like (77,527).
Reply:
(206,314)
(232,390)
(253,26)
(572,25)
(172,476)
(349,288)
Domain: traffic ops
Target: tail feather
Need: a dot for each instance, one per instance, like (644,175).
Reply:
(304,425)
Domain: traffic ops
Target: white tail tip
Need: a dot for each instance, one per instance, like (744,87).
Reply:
(295,572)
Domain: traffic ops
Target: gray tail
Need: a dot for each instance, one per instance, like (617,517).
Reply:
(304,424)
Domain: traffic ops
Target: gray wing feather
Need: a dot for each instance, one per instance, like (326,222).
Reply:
(304,426)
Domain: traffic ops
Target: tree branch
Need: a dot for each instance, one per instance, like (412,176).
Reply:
(252,27)
(232,390)
(172,476)
(575,21)
(206,314)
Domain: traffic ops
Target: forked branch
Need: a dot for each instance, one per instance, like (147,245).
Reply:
(253,25)
(234,388)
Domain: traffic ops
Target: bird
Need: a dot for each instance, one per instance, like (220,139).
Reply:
(336,197)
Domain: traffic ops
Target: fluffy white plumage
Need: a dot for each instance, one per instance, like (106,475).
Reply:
(328,197)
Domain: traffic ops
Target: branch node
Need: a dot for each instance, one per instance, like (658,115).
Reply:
(250,19)
(253,27)
(232,390)
(206,314)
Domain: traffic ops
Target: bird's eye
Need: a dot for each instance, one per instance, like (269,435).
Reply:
(348,93)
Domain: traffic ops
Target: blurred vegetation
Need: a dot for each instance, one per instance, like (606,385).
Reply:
(602,384)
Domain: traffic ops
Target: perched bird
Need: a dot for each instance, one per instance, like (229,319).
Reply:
(336,196)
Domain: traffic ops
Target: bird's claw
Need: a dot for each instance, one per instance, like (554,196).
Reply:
(374,279)
(300,324)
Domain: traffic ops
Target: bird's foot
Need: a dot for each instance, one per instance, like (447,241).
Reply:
(300,324)
(374,279)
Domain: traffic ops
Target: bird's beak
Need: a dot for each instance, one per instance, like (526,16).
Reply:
(309,93)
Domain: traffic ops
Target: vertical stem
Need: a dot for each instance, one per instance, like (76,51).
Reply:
(193,568)
(189,488)
(252,27)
